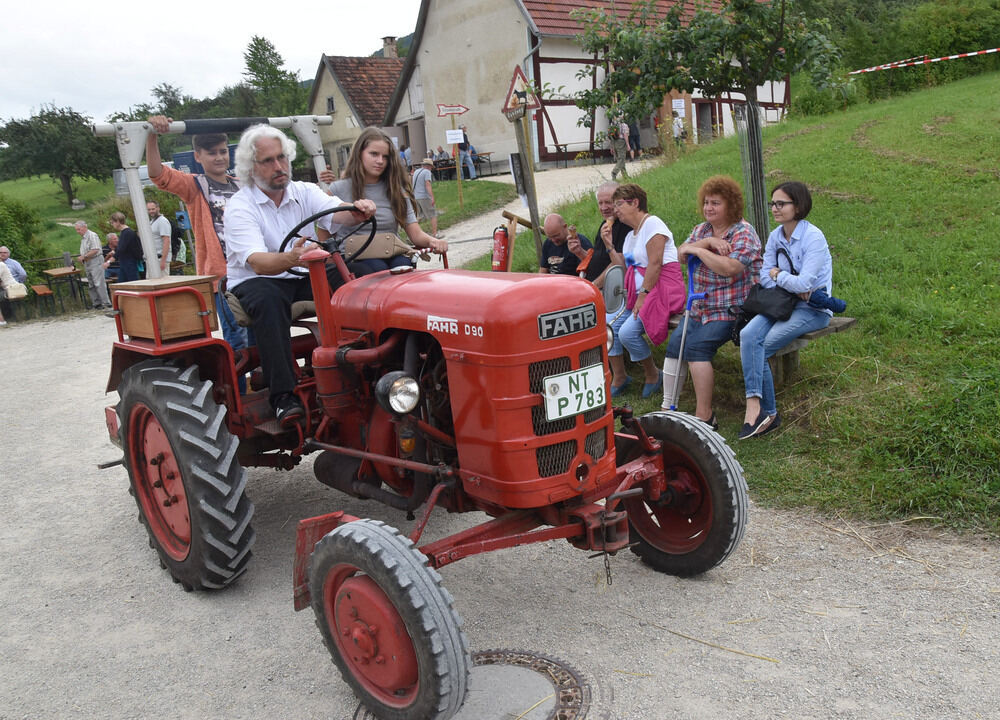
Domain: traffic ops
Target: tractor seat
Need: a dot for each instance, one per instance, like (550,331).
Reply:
(300,309)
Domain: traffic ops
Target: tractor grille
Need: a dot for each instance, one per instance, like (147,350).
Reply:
(597,443)
(536,372)
(555,459)
(588,358)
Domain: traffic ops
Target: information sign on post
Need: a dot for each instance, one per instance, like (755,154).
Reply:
(454,137)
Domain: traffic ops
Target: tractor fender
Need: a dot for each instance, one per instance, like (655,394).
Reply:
(213,356)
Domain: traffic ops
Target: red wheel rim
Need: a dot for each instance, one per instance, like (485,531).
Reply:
(680,522)
(370,636)
(158,484)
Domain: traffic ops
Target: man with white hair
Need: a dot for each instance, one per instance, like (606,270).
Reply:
(611,235)
(16,269)
(93,264)
(257,219)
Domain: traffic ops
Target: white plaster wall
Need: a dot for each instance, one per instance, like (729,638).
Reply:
(467,57)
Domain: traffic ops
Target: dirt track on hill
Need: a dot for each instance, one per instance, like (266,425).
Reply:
(812,617)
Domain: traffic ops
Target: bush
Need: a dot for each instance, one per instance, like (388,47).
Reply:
(808,100)
(18,225)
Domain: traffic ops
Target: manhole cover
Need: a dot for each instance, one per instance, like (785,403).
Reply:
(506,684)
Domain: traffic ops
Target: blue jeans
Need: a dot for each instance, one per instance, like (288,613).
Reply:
(375,265)
(628,331)
(233,334)
(702,339)
(763,337)
(465,159)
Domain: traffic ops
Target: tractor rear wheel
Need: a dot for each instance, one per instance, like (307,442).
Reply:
(388,622)
(181,461)
(699,521)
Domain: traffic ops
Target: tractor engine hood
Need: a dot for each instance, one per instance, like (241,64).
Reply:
(475,312)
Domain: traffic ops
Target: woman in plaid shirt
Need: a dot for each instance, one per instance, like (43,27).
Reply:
(730,255)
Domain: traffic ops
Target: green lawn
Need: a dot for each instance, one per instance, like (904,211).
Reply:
(45,196)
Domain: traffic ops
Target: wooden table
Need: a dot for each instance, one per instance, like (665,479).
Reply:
(67,275)
(446,170)
(480,158)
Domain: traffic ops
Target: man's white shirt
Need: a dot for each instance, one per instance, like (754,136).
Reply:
(254,224)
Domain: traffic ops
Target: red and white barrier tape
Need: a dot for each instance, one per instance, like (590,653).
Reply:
(924,60)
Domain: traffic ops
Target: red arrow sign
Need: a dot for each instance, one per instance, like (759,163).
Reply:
(445,110)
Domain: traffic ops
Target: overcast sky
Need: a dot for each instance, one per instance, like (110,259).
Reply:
(102,57)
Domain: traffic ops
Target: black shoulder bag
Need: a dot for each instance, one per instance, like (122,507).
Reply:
(775,302)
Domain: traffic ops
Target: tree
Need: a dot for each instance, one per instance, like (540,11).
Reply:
(57,141)
(278,90)
(737,49)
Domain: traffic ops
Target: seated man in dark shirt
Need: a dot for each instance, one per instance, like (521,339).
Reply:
(563,248)
(610,236)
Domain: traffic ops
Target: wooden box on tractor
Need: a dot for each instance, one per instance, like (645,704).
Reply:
(175,314)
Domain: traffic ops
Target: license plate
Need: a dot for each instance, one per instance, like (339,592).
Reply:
(574,392)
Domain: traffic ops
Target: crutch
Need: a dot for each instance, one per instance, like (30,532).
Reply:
(693,262)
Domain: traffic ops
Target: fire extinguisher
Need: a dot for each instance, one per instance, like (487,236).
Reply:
(501,249)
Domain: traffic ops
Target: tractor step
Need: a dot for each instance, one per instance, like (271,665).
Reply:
(271,427)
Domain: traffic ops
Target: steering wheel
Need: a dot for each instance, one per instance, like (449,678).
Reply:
(328,245)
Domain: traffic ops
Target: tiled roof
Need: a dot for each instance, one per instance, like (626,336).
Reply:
(552,16)
(367,82)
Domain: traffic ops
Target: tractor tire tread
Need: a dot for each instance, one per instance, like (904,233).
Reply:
(396,558)
(214,481)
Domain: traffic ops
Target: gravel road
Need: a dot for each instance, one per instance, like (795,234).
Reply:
(813,617)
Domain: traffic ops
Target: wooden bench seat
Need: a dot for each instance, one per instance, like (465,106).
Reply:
(786,360)
(47,296)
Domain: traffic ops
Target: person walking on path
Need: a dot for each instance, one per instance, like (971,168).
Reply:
(423,193)
(93,264)
(618,132)
(464,157)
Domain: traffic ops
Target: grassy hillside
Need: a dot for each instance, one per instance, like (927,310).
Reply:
(899,417)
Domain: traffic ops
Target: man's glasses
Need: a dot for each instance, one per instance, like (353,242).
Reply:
(778,204)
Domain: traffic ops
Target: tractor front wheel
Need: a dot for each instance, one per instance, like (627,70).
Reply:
(699,521)
(388,622)
(181,461)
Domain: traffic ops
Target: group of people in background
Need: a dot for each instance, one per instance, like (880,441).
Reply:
(726,258)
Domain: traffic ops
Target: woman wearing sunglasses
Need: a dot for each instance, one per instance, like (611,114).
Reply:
(655,288)
(762,337)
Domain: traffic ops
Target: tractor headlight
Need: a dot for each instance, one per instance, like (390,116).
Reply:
(611,338)
(397,392)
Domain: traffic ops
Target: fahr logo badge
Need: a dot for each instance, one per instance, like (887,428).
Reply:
(566,322)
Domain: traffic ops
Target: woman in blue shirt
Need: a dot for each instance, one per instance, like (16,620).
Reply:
(763,337)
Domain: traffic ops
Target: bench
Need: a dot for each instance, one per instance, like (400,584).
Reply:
(786,361)
(48,298)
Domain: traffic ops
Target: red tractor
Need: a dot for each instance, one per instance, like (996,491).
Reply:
(464,390)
